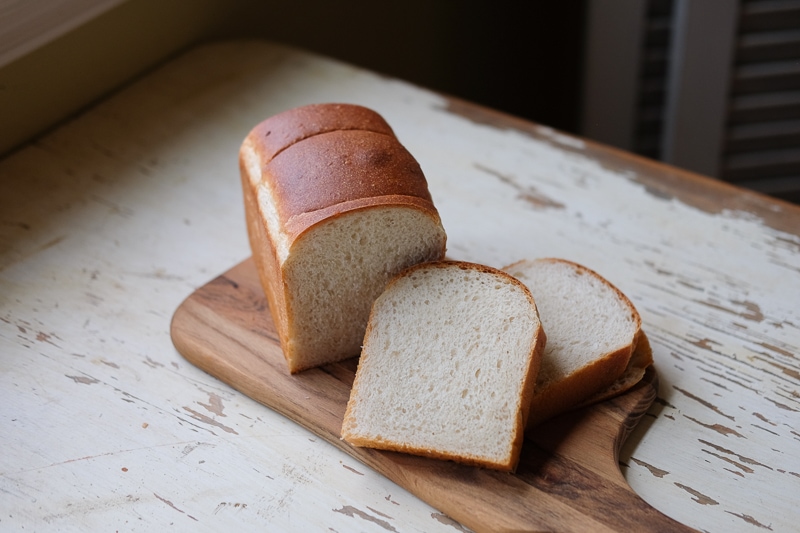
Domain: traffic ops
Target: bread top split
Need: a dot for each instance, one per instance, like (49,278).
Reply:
(448,366)
(320,160)
(281,131)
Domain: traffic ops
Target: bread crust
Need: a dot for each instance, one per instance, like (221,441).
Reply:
(641,359)
(338,171)
(563,395)
(280,131)
(265,255)
(307,166)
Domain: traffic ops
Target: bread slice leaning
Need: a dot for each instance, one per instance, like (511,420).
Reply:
(448,366)
(335,207)
(592,332)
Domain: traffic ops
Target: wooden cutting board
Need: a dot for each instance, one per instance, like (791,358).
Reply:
(568,478)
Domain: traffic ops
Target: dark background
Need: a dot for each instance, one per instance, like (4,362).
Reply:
(525,58)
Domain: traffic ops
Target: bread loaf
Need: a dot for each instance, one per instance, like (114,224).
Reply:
(448,366)
(592,331)
(335,207)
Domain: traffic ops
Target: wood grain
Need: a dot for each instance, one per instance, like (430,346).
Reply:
(568,478)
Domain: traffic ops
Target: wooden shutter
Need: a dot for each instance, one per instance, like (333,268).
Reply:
(762,142)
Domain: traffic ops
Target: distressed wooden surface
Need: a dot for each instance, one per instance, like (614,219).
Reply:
(108,222)
(568,477)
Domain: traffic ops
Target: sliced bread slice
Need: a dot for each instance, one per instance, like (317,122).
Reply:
(448,366)
(592,330)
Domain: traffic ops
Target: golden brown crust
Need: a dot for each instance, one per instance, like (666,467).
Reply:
(640,360)
(560,397)
(528,393)
(467,459)
(280,131)
(265,256)
(333,169)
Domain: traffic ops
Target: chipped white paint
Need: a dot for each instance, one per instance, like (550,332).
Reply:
(107,223)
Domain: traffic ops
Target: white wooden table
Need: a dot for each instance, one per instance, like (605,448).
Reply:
(110,221)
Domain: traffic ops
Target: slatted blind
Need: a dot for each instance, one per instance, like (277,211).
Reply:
(760,145)
(762,135)
(653,72)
